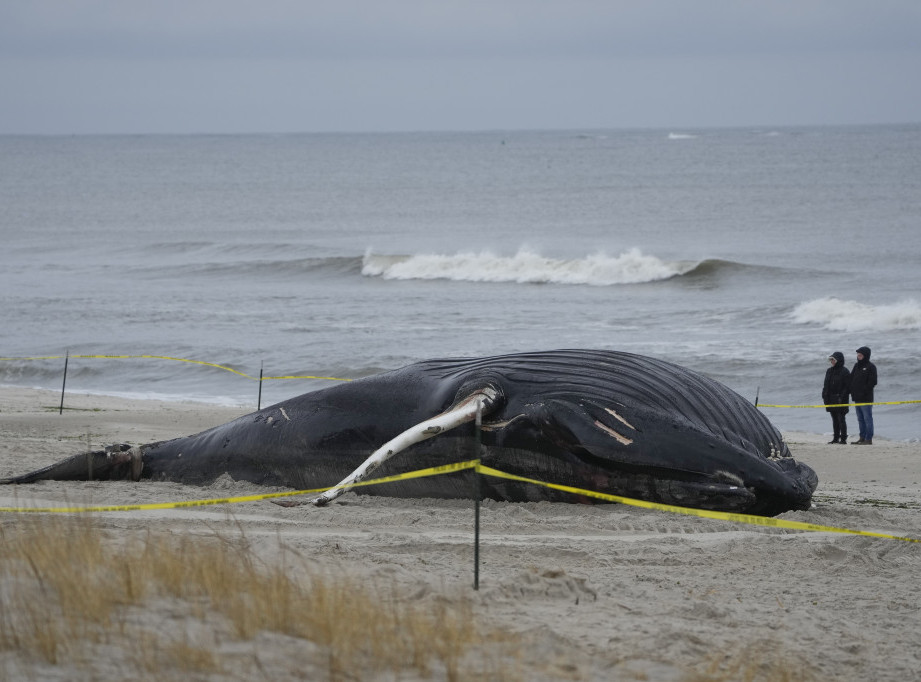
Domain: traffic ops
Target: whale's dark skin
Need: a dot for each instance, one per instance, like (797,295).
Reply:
(607,421)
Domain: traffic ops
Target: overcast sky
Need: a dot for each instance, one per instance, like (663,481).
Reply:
(223,66)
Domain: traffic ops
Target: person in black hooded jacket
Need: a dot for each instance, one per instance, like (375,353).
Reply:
(835,392)
(863,379)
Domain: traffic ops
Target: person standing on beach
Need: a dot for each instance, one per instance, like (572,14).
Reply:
(863,379)
(835,392)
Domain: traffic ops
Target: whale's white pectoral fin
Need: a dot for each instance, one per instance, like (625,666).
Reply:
(461,413)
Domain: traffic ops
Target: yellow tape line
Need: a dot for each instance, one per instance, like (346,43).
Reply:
(480,468)
(703,513)
(166,357)
(895,402)
(307,376)
(421,473)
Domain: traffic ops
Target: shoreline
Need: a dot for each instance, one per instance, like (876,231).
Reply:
(109,418)
(607,591)
(82,399)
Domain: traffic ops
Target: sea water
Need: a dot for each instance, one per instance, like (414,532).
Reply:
(746,254)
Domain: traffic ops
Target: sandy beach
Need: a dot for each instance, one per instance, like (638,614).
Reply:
(594,592)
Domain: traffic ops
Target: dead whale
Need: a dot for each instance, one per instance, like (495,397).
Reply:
(607,421)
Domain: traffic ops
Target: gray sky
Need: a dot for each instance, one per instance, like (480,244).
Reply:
(222,66)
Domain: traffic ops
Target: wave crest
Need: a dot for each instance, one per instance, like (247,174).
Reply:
(851,316)
(527,267)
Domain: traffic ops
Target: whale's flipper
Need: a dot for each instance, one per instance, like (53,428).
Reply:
(482,400)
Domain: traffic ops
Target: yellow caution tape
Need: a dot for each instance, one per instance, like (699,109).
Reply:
(421,473)
(166,357)
(894,402)
(480,468)
(303,376)
(703,513)
(309,376)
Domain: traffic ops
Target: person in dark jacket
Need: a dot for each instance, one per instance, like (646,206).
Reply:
(863,379)
(836,392)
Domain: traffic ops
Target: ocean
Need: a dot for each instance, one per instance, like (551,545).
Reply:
(746,254)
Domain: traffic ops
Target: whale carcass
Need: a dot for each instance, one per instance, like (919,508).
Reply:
(601,420)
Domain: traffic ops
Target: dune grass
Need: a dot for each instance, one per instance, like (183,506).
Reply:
(78,601)
(754,662)
(159,604)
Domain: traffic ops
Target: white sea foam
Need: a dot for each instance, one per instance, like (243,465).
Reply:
(599,269)
(852,316)
(681,136)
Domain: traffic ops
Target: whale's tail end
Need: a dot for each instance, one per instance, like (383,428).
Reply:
(115,462)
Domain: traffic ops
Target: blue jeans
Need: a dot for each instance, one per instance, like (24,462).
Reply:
(865,421)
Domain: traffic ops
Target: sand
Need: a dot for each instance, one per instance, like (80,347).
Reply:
(598,592)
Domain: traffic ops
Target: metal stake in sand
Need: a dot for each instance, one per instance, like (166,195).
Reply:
(64,384)
(259,400)
(477,493)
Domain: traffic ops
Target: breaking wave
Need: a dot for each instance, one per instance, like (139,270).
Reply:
(851,316)
(630,267)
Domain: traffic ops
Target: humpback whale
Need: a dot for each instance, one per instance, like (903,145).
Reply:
(602,420)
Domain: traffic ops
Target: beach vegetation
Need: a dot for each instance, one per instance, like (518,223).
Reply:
(765,661)
(81,598)
(75,595)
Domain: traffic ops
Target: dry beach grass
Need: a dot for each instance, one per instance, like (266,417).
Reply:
(379,588)
(75,596)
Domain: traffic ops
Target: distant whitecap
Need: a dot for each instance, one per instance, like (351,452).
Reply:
(851,316)
(527,267)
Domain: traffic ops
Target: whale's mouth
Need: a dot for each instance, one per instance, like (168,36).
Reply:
(724,491)
(711,496)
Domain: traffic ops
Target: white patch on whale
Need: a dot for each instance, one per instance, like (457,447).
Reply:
(623,440)
(620,419)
